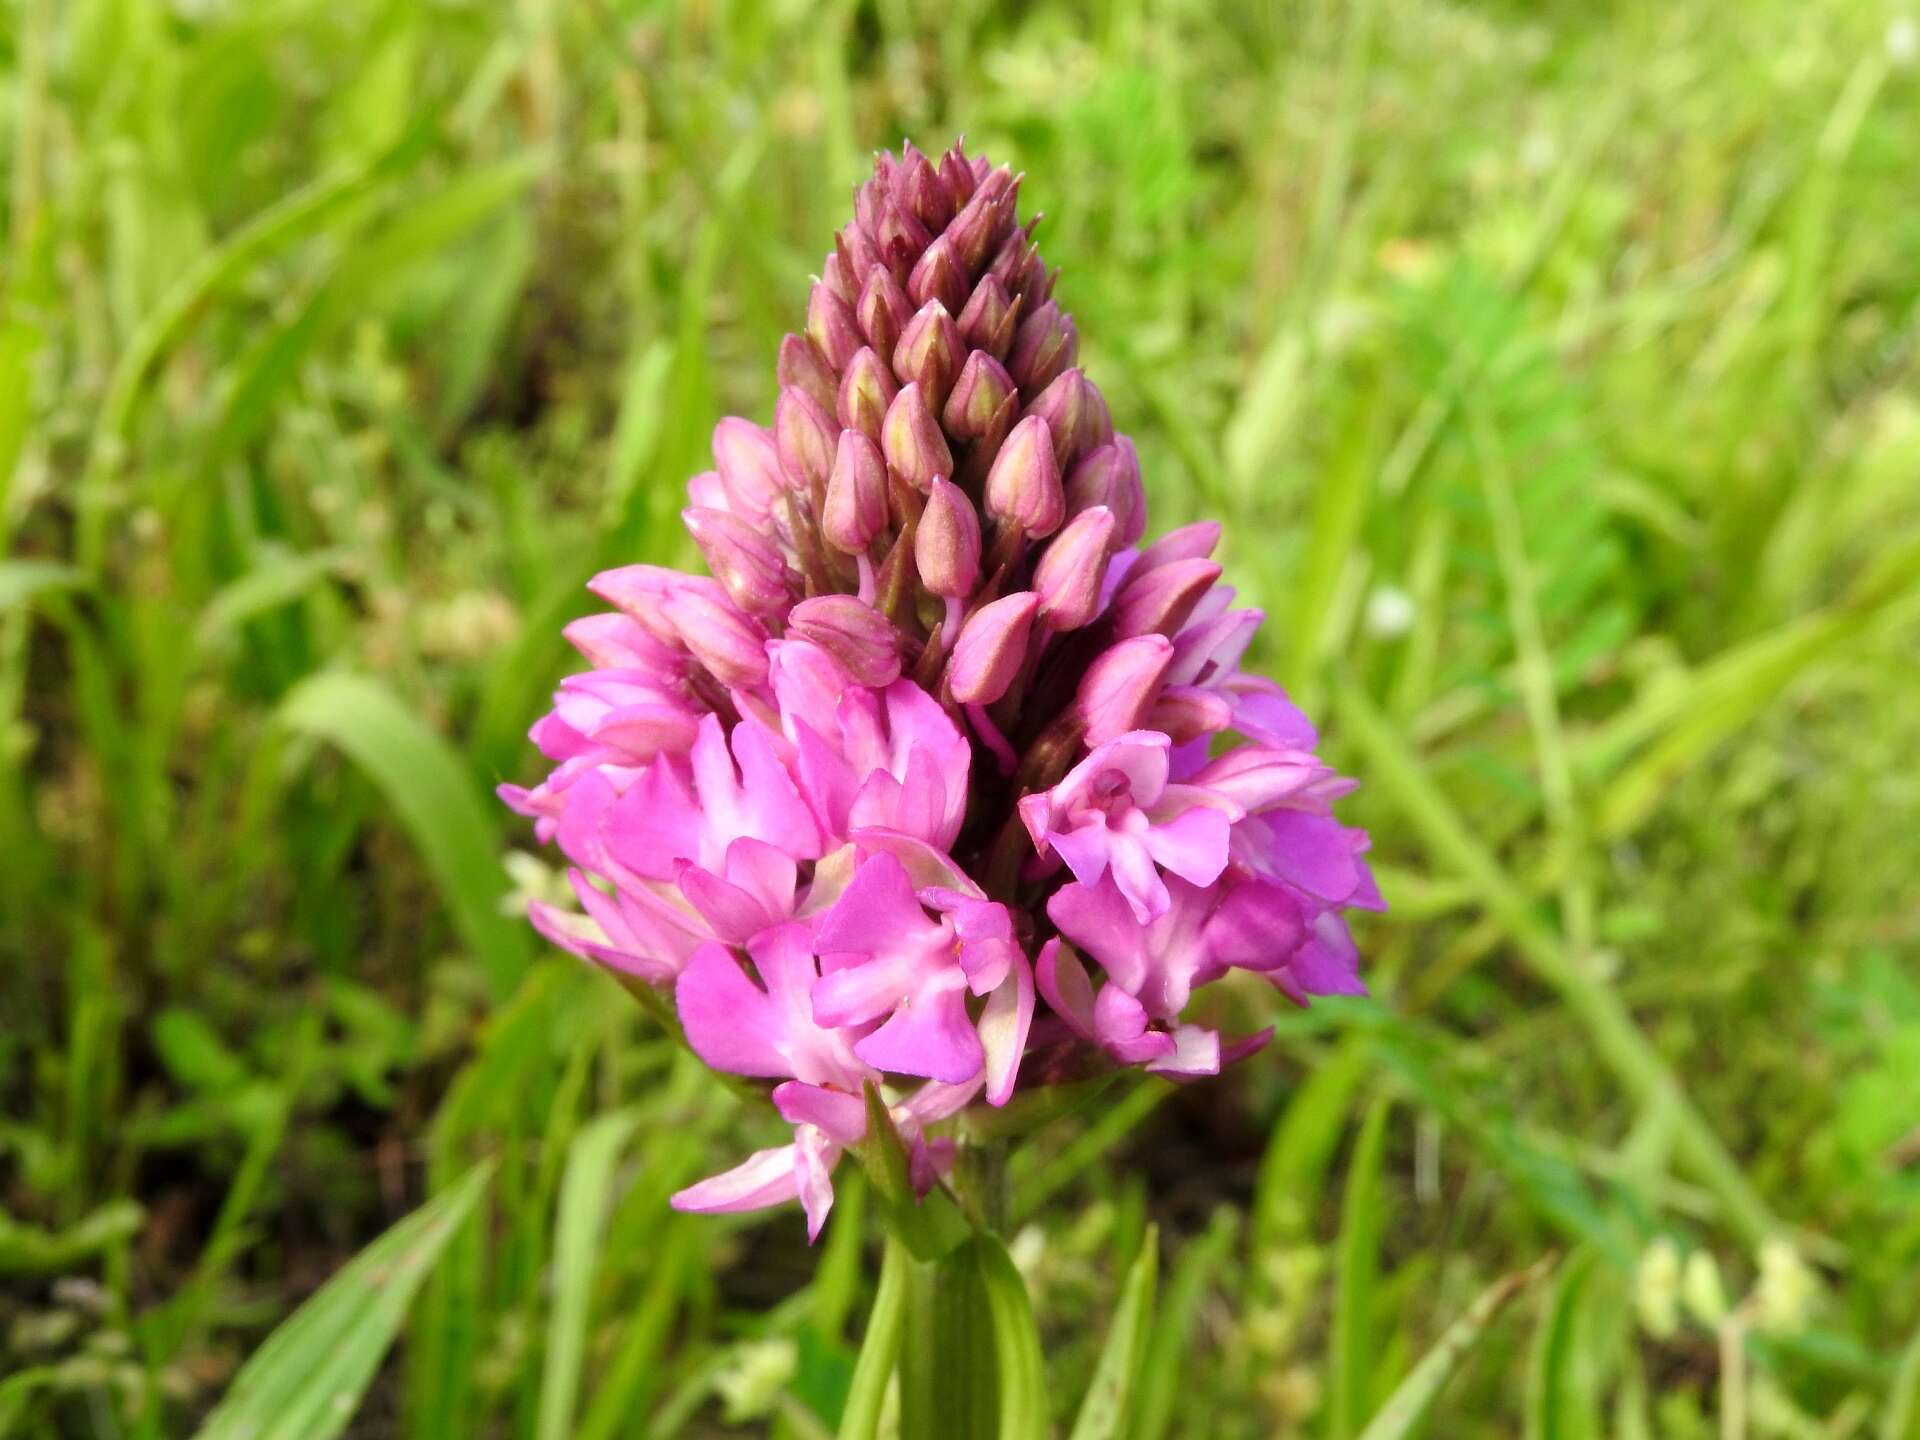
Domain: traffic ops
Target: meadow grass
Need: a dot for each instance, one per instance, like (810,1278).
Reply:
(1553,368)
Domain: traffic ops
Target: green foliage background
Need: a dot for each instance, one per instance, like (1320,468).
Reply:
(1553,367)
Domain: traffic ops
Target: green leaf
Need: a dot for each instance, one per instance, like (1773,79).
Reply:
(195,1054)
(1408,1404)
(930,1226)
(1563,1399)
(1355,1346)
(29,1250)
(1103,1413)
(879,1351)
(1608,1022)
(577,1227)
(22,581)
(306,1381)
(424,780)
(1164,1373)
(949,1375)
(1021,1368)
(1902,1420)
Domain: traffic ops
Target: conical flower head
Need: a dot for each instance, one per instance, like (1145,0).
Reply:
(940,780)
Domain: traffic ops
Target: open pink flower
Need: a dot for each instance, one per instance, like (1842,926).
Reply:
(886,960)
(1116,812)
(935,709)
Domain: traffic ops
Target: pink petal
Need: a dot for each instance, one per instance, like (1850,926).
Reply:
(1195,1052)
(839,1115)
(1064,984)
(731,1023)
(1137,879)
(815,1155)
(766,1177)
(1257,926)
(1003,1029)
(1311,852)
(1193,845)
(930,1035)
(875,913)
(1097,919)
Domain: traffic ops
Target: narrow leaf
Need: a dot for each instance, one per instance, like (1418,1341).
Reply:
(1357,1264)
(22,581)
(1563,1400)
(881,1348)
(585,1193)
(1103,1414)
(306,1381)
(1016,1343)
(1409,1403)
(425,782)
(1902,1421)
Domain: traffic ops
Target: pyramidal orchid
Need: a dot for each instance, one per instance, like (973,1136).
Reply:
(943,785)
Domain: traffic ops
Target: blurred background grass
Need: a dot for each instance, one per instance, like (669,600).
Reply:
(1554,369)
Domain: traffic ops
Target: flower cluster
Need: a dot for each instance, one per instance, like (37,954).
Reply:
(942,781)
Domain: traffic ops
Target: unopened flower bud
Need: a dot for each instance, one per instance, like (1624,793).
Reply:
(917,190)
(856,507)
(1018,268)
(939,275)
(856,254)
(1109,475)
(1120,687)
(802,367)
(1186,712)
(1076,413)
(831,326)
(866,390)
(912,441)
(1023,488)
(991,648)
(976,232)
(749,466)
(882,311)
(989,319)
(744,559)
(1189,542)
(1160,601)
(804,435)
(983,387)
(853,632)
(641,592)
(946,547)
(899,237)
(957,174)
(720,637)
(1068,577)
(929,353)
(1044,345)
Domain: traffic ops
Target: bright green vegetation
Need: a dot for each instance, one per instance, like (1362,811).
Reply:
(1557,379)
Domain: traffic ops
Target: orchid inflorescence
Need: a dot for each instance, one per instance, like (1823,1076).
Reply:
(942,784)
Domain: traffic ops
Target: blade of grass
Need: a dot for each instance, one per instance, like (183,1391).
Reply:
(1353,1345)
(1163,1374)
(1414,1396)
(1018,1363)
(1104,1411)
(577,1227)
(306,1381)
(1562,1398)
(873,1372)
(1902,1420)
(426,783)
(1594,1003)
(1536,676)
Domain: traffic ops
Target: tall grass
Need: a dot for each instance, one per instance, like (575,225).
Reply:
(1554,370)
